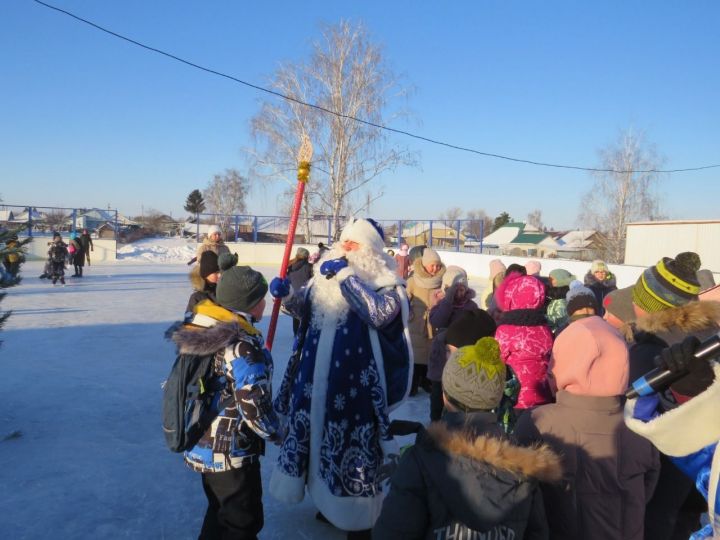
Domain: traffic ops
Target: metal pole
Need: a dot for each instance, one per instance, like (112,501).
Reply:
(255,229)
(457,232)
(399,235)
(430,242)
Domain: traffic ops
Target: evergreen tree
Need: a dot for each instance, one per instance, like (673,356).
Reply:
(11,254)
(195,204)
(501,220)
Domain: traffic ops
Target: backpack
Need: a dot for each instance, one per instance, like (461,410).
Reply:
(192,399)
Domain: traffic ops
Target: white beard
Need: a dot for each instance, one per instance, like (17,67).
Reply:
(327,299)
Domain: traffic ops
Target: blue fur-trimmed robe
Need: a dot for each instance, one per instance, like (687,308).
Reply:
(339,387)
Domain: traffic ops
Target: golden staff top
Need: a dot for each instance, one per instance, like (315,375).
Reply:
(304,156)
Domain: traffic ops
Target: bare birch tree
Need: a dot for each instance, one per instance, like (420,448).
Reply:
(535,219)
(346,74)
(619,198)
(479,224)
(225,196)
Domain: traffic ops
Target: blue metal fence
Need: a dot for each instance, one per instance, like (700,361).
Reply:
(457,235)
(44,220)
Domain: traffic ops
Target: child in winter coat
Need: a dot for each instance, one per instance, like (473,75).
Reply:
(228,454)
(524,336)
(57,255)
(463,478)
(609,471)
(556,310)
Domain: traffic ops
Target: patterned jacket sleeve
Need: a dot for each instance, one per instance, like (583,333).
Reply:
(375,308)
(251,376)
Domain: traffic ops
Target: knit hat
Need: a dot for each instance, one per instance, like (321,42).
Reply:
(533,268)
(365,232)
(302,253)
(578,297)
(240,288)
(474,376)
(212,229)
(590,358)
(56,235)
(227,260)
(496,266)
(453,275)
(430,256)
(208,263)
(670,283)
(598,266)
(469,327)
(562,277)
(619,303)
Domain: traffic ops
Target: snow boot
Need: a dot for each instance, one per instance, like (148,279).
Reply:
(62,280)
(54,280)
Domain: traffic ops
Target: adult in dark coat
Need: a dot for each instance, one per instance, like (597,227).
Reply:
(600,281)
(77,255)
(299,273)
(87,244)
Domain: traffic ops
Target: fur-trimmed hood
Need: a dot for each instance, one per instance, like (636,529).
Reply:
(212,328)
(484,480)
(538,462)
(672,325)
(197,340)
(196,280)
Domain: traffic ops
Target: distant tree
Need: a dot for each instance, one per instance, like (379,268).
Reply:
(478,224)
(346,73)
(225,195)
(154,221)
(534,218)
(451,215)
(626,195)
(56,219)
(7,254)
(501,220)
(195,203)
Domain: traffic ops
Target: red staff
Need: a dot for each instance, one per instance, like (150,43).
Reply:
(303,173)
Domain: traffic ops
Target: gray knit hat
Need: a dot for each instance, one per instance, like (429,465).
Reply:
(240,288)
(474,376)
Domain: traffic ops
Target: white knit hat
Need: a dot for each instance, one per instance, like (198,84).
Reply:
(212,229)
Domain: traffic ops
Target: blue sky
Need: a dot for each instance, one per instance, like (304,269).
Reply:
(89,120)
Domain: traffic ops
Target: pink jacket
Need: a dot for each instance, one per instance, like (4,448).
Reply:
(525,347)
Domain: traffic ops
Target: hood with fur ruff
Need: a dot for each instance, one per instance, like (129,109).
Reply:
(672,325)
(484,480)
(201,341)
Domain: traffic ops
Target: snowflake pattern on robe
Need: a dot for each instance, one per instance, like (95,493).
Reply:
(354,410)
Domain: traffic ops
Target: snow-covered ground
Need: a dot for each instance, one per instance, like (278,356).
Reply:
(80,411)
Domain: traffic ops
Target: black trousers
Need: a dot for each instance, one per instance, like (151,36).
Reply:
(235,509)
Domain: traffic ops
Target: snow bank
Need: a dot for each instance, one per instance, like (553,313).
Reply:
(158,250)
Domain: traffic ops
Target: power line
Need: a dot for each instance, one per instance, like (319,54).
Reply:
(360,120)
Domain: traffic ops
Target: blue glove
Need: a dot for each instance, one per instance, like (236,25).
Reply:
(333,266)
(279,288)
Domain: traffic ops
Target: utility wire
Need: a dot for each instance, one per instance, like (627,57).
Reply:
(360,120)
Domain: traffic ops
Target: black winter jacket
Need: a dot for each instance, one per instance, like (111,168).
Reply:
(463,479)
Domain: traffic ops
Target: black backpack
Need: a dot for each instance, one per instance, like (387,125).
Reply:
(192,398)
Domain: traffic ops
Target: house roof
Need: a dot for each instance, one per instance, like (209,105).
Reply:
(529,238)
(577,239)
(504,235)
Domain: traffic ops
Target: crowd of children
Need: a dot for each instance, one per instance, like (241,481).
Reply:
(531,435)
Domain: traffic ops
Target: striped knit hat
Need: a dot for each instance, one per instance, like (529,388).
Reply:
(670,283)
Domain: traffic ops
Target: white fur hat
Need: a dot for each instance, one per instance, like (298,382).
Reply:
(212,229)
(365,232)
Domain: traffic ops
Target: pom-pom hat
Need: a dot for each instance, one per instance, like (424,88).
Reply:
(474,376)
(670,283)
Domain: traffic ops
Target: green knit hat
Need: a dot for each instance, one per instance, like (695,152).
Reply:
(670,283)
(240,288)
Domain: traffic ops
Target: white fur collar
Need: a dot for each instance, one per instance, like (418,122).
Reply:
(685,429)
